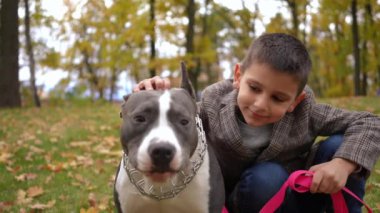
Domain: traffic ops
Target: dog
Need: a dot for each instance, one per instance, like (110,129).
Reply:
(167,166)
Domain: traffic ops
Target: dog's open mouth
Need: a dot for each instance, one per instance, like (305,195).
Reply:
(160,176)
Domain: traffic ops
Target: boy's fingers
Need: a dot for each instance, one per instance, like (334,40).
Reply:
(163,84)
(166,83)
(315,183)
(155,83)
(317,179)
(147,84)
(160,83)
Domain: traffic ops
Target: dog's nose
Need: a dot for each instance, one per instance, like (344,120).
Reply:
(161,155)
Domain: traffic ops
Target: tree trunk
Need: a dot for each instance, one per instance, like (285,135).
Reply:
(152,67)
(193,75)
(32,65)
(9,47)
(113,83)
(93,80)
(293,10)
(373,38)
(355,36)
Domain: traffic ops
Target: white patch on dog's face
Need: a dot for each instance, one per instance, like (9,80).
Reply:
(160,133)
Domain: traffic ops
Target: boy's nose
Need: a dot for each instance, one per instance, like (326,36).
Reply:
(261,103)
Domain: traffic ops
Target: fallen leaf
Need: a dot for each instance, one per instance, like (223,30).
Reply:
(79,177)
(41,206)
(79,143)
(55,167)
(4,156)
(37,142)
(49,178)
(13,170)
(22,198)
(90,210)
(63,197)
(26,176)
(103,203)
(104,128)
(5,205)
(26,136)
(376,184)
(36,150)
(35,191)
(53,140)
(92,200)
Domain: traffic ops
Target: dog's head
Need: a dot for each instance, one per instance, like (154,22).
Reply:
(159,132)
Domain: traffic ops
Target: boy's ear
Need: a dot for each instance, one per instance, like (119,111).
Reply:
(298,100)
(237,76)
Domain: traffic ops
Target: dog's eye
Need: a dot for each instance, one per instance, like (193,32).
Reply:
(139,119)
(184,122)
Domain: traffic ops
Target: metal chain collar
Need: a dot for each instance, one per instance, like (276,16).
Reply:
(177,183)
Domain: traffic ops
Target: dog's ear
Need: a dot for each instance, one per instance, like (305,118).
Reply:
(185,82)
(125,98)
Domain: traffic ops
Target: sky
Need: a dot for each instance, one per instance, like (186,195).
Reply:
(50,78)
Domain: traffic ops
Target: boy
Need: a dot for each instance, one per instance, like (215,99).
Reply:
(263,123)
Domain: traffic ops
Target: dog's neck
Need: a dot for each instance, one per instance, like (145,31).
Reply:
(177,183)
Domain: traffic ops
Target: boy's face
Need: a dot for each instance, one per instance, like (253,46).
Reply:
(265,95)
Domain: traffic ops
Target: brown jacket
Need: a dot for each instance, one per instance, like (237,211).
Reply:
(292,137)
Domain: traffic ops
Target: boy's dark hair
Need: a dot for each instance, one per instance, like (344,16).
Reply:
(283,53)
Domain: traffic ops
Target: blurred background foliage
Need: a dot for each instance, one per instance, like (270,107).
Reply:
(128,40)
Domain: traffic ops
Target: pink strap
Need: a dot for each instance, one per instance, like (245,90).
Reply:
(300,181)
(224,210)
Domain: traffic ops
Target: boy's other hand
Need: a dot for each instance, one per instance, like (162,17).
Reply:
(155,83)
(330,177)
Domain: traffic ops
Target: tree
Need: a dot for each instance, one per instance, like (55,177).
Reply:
(9,49)
(152,32)
(29,48)
(293,6)
(356,50)
(190,34)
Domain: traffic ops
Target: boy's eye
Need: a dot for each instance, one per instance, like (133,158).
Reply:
(255,89)
(278,99)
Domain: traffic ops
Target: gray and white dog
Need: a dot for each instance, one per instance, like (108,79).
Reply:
(167,166)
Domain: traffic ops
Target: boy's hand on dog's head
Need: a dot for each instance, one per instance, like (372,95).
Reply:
(155,83)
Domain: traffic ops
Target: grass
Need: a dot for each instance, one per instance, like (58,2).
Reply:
(59,159)
(62,158)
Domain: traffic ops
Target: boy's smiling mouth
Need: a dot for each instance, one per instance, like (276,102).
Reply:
(259,116)
(256,114)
